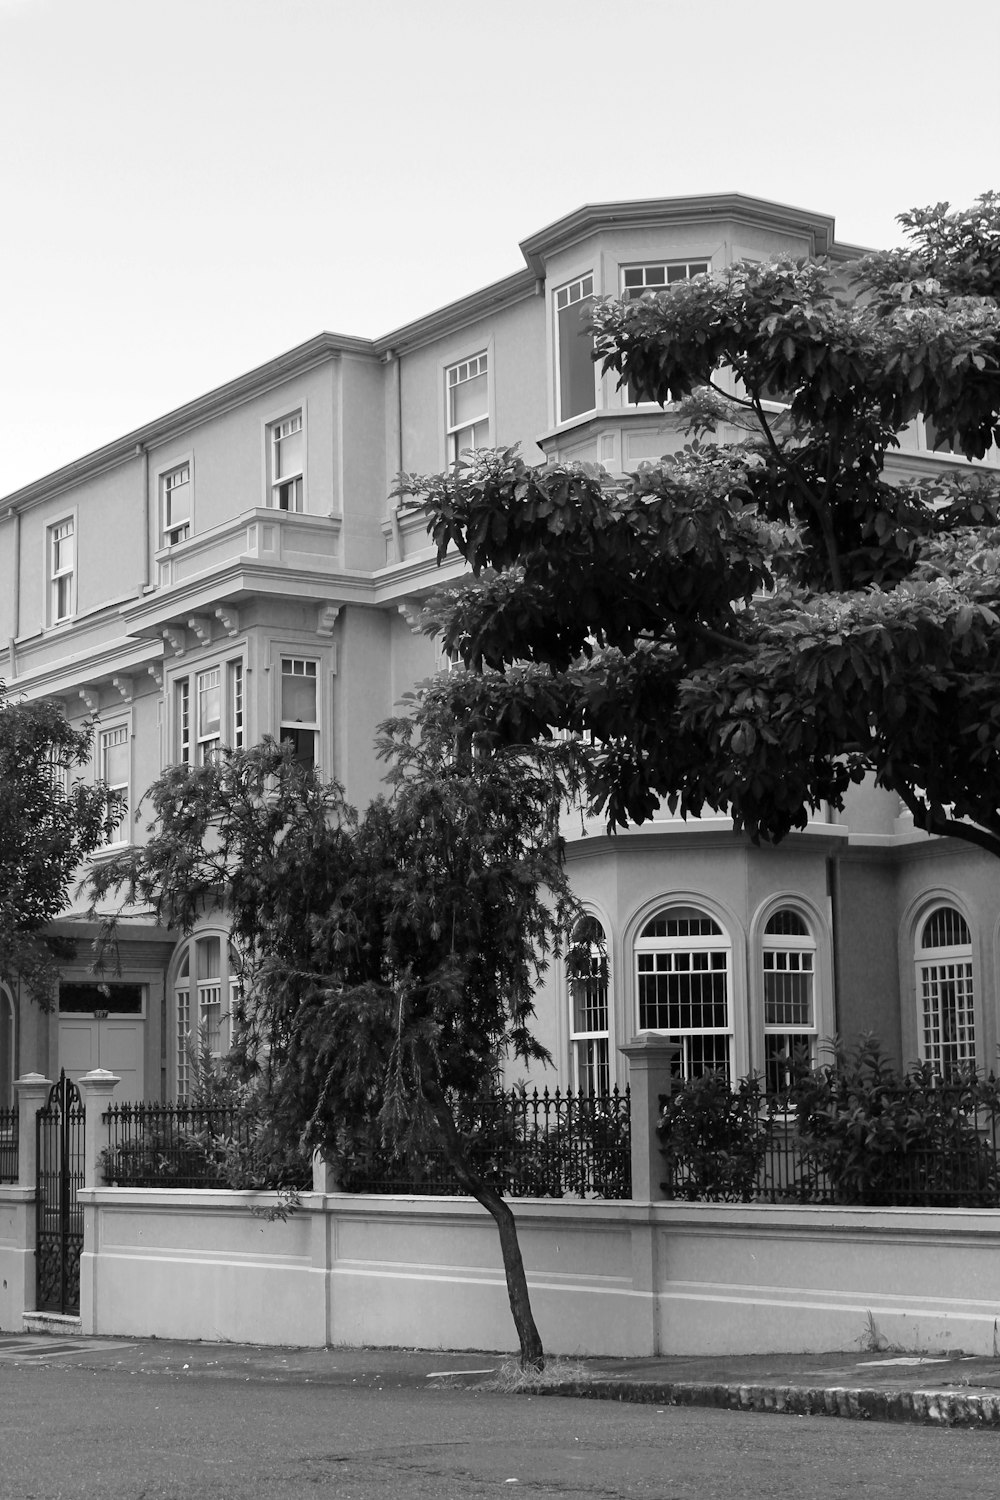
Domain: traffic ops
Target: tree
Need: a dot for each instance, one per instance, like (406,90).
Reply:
(389,960)
(762,619)
(49,824)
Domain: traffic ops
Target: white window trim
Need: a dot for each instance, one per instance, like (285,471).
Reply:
(160,474)
(635,265)
(304,654)
(934,958)
(293,408)
(186,1014)
(123,834)
(819,928)
(187,679)
(48,571)
(711,942)
(579,279)
(575,1037)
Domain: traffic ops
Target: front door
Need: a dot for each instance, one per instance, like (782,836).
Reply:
(102,1026)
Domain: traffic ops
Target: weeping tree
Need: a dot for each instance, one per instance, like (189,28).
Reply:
(389,959)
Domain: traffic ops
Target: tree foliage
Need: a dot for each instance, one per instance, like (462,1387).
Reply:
(49,823)
(760,620)
(389,960)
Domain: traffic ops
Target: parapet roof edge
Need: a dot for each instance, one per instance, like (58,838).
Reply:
(635,212)
(219,399)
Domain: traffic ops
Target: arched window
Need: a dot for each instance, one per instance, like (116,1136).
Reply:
(789,962)
(944,991)
(588,999)
(683,984)
(204,991)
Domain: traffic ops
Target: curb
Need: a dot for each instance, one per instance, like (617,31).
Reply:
(933,1408)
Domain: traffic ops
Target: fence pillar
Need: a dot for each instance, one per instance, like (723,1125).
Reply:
(96,1089)
(32,1092)
(651,1061)
(324,1175)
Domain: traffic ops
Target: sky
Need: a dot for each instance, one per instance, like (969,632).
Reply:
(190,187)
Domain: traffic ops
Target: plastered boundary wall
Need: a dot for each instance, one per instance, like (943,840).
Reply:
(606,1278)
(17,1254)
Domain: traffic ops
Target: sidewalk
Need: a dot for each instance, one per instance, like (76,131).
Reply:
(955,1390)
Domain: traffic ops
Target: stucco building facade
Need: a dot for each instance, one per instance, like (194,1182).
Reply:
(235,568)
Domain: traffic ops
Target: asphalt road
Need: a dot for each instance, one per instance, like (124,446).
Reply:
(73,1433)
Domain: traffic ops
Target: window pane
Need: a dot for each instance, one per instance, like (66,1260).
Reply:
(298,699)
(577,372)
(209,957)
(468,401)
(288,455)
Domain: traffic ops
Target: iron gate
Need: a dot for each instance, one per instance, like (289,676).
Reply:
(60,1125)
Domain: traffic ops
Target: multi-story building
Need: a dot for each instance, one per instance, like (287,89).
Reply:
(235,569)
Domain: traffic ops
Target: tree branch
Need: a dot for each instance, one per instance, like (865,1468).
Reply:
(930,822)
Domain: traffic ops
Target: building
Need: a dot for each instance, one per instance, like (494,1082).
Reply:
(235,569)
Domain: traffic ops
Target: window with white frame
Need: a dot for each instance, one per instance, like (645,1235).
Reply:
(62,570)
(655,276)
(788,959)
(588,1018)
(945,997)
(300,708)
(577,373)
(468,398)
(175,505)
(116,758)
(683,982)
(287,460)
(209,713)
(204,991)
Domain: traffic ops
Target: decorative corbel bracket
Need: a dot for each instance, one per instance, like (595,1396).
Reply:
(92,699)
(229,616)
(155,670)
(326,619)
(124,686)
(175,639)
(411,614)
(202,627)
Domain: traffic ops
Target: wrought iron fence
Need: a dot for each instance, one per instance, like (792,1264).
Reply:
(525,1144)
(909,1147)
(194,1146)
(8,1144)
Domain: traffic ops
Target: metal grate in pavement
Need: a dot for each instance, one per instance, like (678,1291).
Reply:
(36,1349)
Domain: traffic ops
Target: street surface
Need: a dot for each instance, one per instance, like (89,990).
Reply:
(159,1428)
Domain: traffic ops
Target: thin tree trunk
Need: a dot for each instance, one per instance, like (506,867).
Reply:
(532,1354)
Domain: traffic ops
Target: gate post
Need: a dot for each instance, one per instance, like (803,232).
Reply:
(32,1093)
(651,1063)
(96,1089)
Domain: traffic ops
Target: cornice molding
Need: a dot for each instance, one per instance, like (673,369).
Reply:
(457,315)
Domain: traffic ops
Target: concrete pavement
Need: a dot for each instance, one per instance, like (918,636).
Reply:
(952,1390)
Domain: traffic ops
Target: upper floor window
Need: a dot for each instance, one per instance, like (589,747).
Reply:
(789,964)
(175,505)
(945,996)
(116,759)
(588,1021)
(577,373)
(683,967)
(62,570)
(288,456)
(209,711)
(467,392)
(638,280)
(300,708)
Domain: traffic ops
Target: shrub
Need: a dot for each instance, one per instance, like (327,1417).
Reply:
(713,1139)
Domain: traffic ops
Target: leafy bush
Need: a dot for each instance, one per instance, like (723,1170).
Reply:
(885,1138)
(713,1139)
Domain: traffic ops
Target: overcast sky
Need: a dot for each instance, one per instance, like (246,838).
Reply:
(189,187)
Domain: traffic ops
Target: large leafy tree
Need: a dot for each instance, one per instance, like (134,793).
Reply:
(770,614)
(390,959)
(50,822)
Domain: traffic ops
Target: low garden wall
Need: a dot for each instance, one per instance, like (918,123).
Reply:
(605,1278)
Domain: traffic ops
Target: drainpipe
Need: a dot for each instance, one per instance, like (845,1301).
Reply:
(17,592)
(142,453)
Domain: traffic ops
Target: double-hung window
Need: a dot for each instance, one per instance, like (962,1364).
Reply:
(300,708)
(467,395)
(683,966)
(175,505)
(287,459)
(577,373)
(945,998)
(62,570)
(203,1002)
(589,1010)
(656,276)
(116,757)
(209,712)
(789,964)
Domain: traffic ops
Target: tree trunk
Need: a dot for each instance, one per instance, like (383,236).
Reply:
(532,1354)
